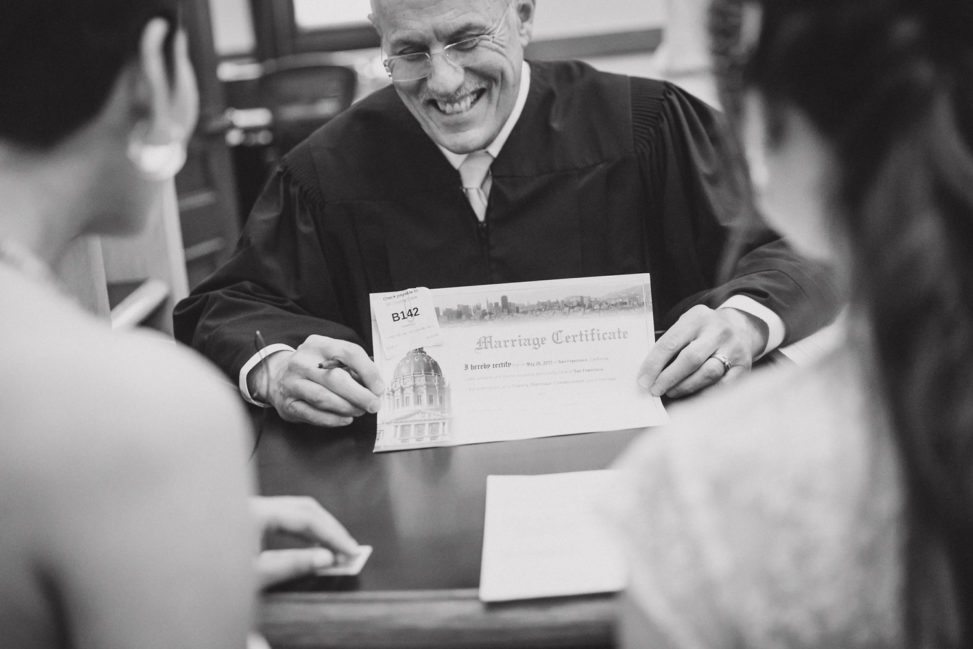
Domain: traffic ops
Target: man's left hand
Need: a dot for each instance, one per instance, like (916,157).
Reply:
(704,347)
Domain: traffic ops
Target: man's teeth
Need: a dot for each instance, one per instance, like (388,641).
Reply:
(458,106)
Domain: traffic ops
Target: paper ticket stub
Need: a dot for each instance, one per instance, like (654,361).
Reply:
(348,567)
(406,320)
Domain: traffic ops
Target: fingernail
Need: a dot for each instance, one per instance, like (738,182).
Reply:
(322,558)
(644,382)
(656,391)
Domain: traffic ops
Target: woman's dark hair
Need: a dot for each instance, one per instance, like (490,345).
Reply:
(60,58)
(889,84)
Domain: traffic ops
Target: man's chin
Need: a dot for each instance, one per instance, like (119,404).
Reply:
(463,142)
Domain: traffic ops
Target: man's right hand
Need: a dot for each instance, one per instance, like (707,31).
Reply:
(325,381)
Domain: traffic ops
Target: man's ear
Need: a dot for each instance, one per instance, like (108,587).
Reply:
(525,20)
(373,17)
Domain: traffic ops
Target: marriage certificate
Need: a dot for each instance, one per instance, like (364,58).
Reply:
(512,361)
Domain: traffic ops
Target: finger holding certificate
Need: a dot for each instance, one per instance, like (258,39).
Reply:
(513,361)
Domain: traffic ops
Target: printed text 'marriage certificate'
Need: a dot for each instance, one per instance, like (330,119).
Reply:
(513,361)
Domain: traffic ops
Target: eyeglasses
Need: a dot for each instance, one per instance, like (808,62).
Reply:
(418,65)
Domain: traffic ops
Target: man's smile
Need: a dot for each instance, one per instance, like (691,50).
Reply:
(458,105)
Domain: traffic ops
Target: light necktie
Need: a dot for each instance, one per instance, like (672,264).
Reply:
(475,172)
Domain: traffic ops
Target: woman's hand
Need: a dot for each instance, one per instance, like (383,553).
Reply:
(305,518)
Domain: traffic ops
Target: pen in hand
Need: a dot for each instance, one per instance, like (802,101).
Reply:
(333,364)
(323,365)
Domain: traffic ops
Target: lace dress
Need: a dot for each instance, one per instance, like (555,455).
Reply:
(768,515)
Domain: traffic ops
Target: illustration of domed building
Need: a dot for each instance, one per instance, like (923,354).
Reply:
(416,403)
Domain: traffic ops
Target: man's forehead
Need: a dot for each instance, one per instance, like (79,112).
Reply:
(392,16)
(435,5)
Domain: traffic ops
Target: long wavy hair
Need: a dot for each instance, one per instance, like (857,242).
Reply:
(889,84)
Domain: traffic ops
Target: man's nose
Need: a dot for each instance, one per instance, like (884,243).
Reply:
(445,77)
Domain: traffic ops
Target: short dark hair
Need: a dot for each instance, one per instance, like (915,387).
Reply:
(60,58)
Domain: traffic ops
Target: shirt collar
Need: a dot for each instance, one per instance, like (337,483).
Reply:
(456,159)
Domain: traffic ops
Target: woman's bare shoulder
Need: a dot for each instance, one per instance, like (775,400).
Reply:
(76,393)
(118,453)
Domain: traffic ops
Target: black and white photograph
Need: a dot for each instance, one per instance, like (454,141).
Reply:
(486,324)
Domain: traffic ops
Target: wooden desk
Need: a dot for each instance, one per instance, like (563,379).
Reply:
(423,513)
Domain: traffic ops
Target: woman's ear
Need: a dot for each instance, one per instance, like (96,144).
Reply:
(168,78)
(164,102)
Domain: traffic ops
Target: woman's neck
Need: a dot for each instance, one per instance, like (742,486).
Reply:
(40,211)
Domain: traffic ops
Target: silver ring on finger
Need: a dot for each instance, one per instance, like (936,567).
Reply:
(724,360)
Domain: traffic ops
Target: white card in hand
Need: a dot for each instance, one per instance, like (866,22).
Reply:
(349,566)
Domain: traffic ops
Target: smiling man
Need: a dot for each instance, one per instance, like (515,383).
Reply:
(457,66)
(476,167)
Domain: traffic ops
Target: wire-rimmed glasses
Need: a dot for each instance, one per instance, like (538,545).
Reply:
(414,66)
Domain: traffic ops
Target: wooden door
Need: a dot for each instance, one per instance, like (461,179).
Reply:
(208,209)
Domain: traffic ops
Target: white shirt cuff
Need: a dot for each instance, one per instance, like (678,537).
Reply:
(775,326)
(252,363)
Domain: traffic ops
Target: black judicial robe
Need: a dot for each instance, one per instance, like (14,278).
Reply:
(603,174)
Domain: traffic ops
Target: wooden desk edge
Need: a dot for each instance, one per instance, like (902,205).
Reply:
(430,619)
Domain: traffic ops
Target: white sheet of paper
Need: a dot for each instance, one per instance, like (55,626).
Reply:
(542,537)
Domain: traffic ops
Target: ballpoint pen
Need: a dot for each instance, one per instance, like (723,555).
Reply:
(330,364)
(336,364)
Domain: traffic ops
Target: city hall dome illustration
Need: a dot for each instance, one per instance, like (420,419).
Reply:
(417,363)
(416,402)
